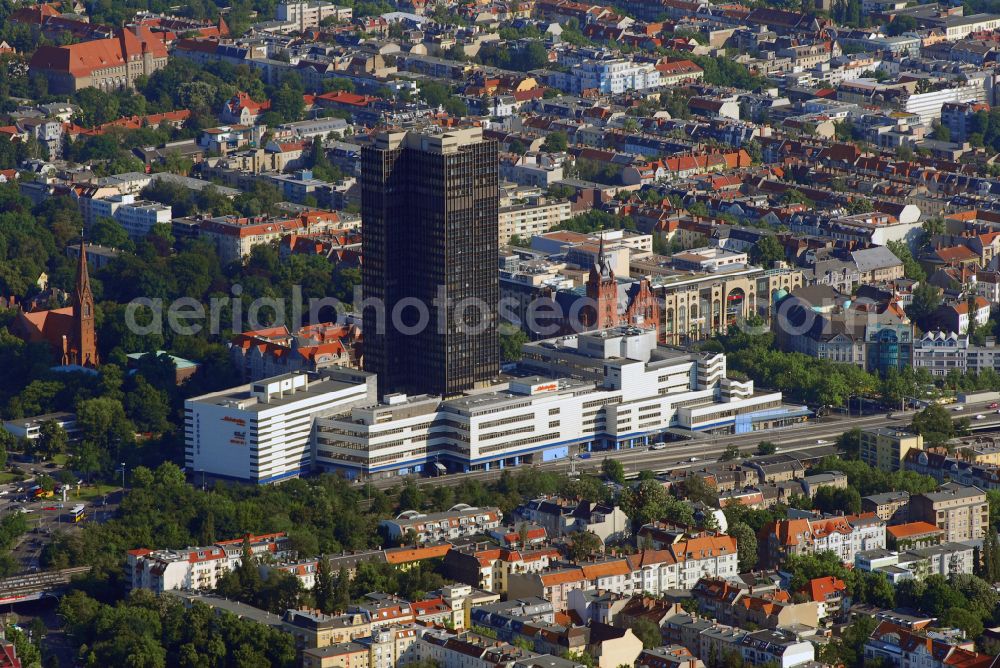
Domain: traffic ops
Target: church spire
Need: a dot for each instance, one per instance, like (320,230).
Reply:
(603,264)
(82,272)
(84,345)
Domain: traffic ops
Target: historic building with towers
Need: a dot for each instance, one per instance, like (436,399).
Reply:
(611,301)
(69,331)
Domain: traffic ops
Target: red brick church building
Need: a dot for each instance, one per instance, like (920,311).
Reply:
(69,331)
(611,302)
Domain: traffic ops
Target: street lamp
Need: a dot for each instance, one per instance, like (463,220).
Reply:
(123,477)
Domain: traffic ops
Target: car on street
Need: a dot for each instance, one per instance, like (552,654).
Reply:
(958,408)
(994,405)
(658,446)
(980,417)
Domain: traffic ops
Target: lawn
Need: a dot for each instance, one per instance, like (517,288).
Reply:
(91,493)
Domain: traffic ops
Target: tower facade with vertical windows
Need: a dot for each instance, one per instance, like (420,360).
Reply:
(430,218)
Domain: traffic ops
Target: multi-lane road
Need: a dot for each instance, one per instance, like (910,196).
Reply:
(816,437)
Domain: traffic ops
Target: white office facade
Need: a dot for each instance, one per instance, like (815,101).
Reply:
(262,432)
(605,390)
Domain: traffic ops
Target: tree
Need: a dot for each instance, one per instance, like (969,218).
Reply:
(648,632)
(613,470)
(648,502)
(247,575)
(147,407)
(695,488)
(511,344)
(323,593)
(342,590)
(849,650)
(746,545)
(585,543)
(850,443)
(731,453)
(831,500)
(556,142)
(767,251)
(794,196)
(279,592)
(103,422)
(901,24)
(523,535)
(108,232)
(52,439)
(926,299)
(934,423)
(964,619)
(766,448)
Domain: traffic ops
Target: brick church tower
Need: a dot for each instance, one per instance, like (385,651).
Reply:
(83,343)
(602,290)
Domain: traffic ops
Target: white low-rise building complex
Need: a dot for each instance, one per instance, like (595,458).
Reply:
(607,389)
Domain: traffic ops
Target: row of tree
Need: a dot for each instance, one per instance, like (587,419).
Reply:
(160,631)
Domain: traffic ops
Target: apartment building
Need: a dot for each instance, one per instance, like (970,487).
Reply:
(611,76)
(941,353)
(198,567)
(490,569)
(958,118)
(136,216)
(534,216)
(274,351)
(741,607)
(844,536)
(561,516)
(532,169)
(554,585)
(885,448)
(890,507)
(676,566)
(262,432)
(896,645)
(960,510)
(706,639)
(310,13)
(234,237)
(467,650)
(461,520)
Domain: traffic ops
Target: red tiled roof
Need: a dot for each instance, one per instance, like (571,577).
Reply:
(912,529)
(84,58)
(821,588)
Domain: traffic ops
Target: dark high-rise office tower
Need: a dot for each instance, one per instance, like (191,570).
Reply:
(429,206)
